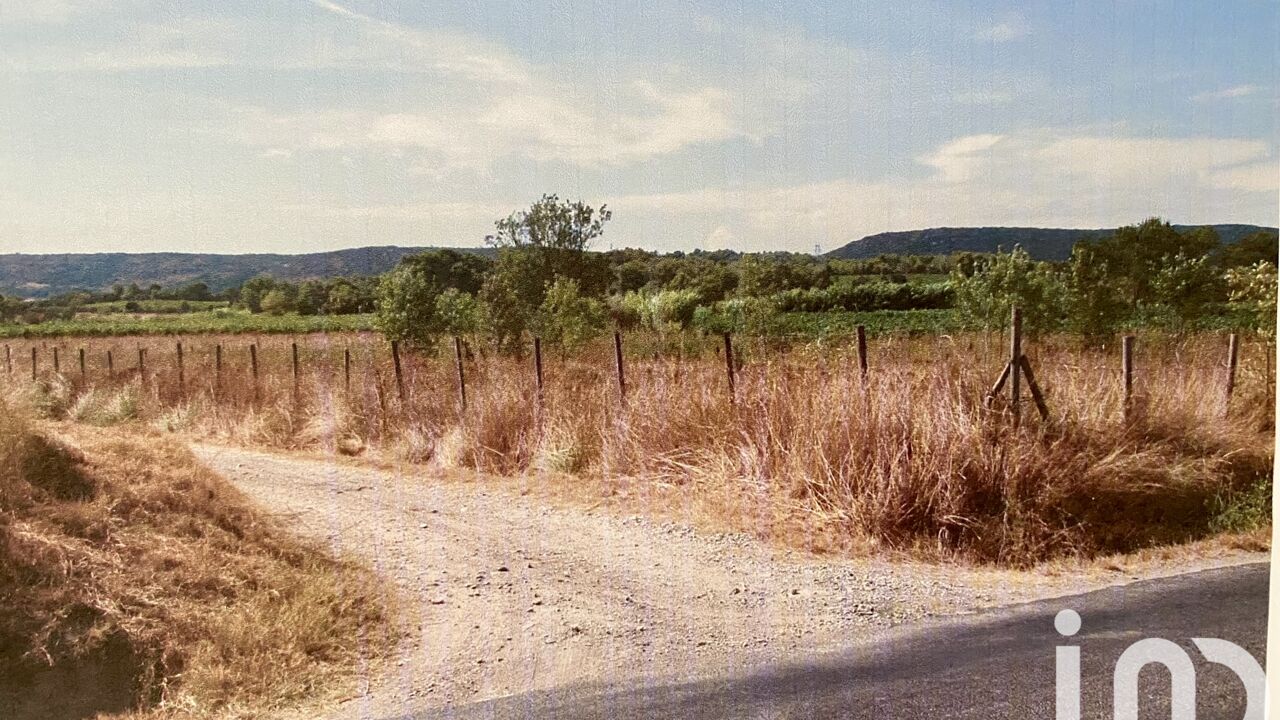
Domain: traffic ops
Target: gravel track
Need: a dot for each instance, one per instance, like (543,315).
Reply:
(505,593)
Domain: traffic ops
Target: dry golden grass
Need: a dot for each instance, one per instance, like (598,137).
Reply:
(136,581)
(808,455)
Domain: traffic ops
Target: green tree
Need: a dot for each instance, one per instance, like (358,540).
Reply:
(448,268)
(537,247)
(312,296)
(1185,285)
(567,318)
(1253,289)
(1135,254)
(343,299)
(194,291)
(1261,246)
(761,275)
(1005,280)
(281,299)
(1095,306)
(254,290)
(407,306)
(459,313)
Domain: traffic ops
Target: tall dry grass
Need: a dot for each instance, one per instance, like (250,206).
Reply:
(133,580)
(808,452)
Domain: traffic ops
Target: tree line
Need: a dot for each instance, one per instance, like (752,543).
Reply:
(542,276)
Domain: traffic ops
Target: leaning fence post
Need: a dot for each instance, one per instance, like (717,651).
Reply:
(33,364)
(395,361)
(142,365)
(1126,367)
(462,378)
(1233,357)
(8,361)
(862,351)
(111,367)
(57,368)
(83,374)
(728,366)
(1036,394)
(617,356)
(1015,364)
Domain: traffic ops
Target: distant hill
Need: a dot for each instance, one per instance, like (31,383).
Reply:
(41,275)
(1040,243)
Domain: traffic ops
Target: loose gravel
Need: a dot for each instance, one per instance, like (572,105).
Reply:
(504,593)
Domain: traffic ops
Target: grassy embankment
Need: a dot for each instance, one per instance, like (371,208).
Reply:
(136,582)
(807,455)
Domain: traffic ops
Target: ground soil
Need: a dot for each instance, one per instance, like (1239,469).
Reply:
(504,590)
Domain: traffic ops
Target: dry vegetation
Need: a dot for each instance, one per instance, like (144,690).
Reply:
(808,455)
(135,581)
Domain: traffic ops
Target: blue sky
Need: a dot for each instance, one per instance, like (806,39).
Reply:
(303,125)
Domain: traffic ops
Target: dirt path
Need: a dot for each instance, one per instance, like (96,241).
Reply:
(504,593)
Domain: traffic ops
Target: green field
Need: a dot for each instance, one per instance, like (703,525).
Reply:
(841,322)
(209,321)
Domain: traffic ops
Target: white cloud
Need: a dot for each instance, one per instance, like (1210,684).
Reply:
(1231,93)
(1041,177)
(48,11)
(1011,27)
(956,161)
(1260,177)
(1111,160)
(541,123)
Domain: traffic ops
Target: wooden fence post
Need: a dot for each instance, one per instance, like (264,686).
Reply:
(617,356)
(395,361)
(57,368)
(537,367)
(253,367)
(1233,358)
(8,361)
(346,368)
(217,369)
(182,370)
(111,367)
(1015,364)
(1126,368)
(462,378)
(83,374)
(862,352)
(33,364)
(728,366)
(297,380)
(142,365)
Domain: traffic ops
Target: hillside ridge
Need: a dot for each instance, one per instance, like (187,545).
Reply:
(1040,243)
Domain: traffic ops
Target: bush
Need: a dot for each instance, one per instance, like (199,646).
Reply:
(867,297)
(750,316)
(568,319)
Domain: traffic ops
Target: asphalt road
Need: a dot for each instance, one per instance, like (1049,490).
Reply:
(998,664)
